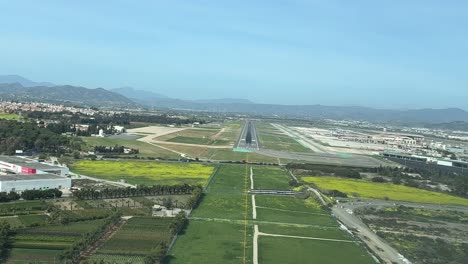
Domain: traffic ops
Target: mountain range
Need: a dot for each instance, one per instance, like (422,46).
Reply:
(63,94)
(14,87)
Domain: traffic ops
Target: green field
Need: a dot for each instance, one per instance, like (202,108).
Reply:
(145,149)
(365,189)
(289,216)
(9,116)
(271,138)
(212,243)
(135,240)
(25,255)
(22,208)
(279,250)
(221,228)
(198,141)
(221,154)
(145,173)
(225,195)
(292,210)
(219,225)
(224,134)
(47,242)
(272,178)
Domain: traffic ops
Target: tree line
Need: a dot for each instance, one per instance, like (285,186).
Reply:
(114,150)
(319,170)
(30,195)
(108,119)
(28,136)
(93,194)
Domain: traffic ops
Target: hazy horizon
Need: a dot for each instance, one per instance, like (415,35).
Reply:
(387,55)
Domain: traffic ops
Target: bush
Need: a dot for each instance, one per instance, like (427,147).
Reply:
(379,179)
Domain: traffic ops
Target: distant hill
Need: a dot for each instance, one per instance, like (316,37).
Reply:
(133,93)
(223,101)
(429,116)
(63,93)
(4,79)
(155,99)
(14,87)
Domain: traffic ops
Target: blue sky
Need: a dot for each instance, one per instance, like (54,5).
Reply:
(385,54)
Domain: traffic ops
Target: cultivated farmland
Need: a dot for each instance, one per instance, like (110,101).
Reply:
(271,178)
(145,173)
(365,189)
(235,226)
(134,240)
(48,242)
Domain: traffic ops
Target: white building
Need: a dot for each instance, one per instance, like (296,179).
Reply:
(21,182)
(18,174)
(28,166)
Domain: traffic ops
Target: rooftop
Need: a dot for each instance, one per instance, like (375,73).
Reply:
(28,177)
(24,162)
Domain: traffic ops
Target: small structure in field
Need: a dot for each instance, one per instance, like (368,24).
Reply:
(162,211)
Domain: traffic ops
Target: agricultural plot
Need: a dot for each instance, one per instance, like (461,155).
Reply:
(225,195)
(219,230)
(145,149)
(291,210)
(145,173)
(22,208)
(135,240)
(271,178)
(196,136)
(212,243)
(365,189)
(47,242)
(272,138)
(8,116)
(223,135)
(278,250)
(291,230)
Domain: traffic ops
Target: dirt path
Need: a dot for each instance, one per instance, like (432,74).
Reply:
(255,245)
(254,208)
(190,145)
(241,222)
(310,238)
(217,135)
(168,149)
(318,195)
(292,211)
(91,249)
(251,179)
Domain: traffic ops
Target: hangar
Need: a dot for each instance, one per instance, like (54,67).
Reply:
(18,174)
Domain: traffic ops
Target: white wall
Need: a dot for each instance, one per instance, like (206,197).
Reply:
(21,185)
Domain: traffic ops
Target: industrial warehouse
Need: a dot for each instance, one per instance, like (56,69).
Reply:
(18,174)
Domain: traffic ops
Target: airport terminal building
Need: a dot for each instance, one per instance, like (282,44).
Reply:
(18,174)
